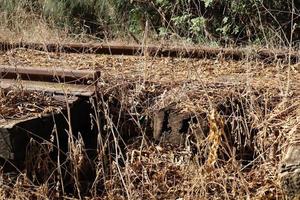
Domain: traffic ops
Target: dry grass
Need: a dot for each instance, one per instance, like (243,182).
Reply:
(253,98)
(20,25)
(19,104)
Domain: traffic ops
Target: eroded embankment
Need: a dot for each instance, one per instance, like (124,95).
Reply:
(169,128)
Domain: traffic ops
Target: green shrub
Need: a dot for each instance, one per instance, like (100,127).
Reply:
(261,21)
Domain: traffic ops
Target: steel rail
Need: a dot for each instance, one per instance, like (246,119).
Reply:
(50,74)
(48,87)
(162,51)
(49,79)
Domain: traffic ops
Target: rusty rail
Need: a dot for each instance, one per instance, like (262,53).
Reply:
(50,74)
(164,51)
(49,79)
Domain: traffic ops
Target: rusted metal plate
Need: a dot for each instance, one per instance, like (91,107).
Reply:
(55,88)
(49,74)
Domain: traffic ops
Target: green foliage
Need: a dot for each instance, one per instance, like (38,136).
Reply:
(207,3)
(232,20)
(196,20)
(197,27)
(88,15)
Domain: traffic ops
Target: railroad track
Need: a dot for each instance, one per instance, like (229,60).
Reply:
(82,82)
(267,55)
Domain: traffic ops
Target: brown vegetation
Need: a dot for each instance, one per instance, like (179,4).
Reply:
(239,117)
(159,127)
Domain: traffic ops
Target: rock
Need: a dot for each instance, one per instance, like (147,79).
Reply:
(289,170)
